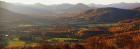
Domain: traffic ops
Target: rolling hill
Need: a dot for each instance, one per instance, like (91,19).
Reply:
(105,15)
(137,9)
(12,19)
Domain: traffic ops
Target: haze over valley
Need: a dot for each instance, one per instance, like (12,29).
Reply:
(74,26)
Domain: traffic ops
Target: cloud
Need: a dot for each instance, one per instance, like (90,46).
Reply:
(72,1)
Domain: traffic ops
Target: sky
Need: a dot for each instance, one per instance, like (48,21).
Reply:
(49,2)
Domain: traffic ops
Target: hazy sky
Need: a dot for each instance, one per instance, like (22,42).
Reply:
(48,2)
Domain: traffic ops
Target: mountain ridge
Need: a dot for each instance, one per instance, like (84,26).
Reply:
(107,15)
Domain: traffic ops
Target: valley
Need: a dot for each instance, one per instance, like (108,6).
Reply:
(69,26)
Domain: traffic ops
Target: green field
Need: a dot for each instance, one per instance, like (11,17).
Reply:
(61,39)
(16,43)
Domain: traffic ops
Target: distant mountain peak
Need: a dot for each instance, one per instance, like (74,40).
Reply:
(40,4)
(66,4)
(80,4)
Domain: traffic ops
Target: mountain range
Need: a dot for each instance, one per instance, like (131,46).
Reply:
(108,15)
(79,14)
(65,9)
(121,5)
